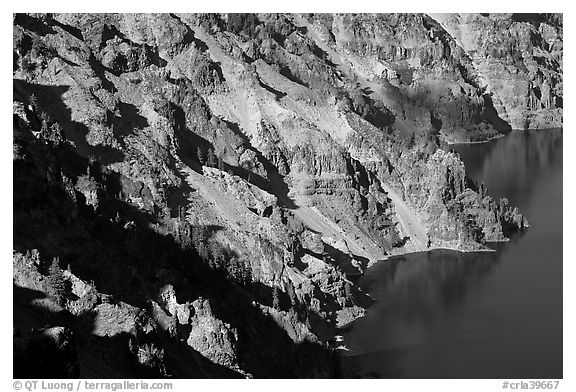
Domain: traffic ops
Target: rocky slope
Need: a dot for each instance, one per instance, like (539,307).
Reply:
(517,59)
(195,194)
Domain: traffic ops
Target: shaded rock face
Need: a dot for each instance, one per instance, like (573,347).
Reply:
(49,353)
(194,193)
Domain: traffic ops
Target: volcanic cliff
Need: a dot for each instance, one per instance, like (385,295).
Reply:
(195,195)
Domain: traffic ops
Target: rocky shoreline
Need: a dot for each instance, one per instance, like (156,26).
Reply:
(198,192)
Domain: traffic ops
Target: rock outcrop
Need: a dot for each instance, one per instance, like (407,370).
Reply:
(517,59)
(197,193)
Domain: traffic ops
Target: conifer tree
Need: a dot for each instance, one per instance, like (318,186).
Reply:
(275,298)
(200,156)
(33,101)
(142,58)
(56,280)
(211,160)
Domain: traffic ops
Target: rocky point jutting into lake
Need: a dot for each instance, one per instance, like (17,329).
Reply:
(197,195)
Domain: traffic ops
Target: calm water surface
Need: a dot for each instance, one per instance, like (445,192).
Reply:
(444,314)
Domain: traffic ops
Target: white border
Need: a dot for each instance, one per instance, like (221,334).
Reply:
(296,6)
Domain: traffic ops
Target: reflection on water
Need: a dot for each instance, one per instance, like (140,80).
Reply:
(444,314)
(509,166)
(418,284)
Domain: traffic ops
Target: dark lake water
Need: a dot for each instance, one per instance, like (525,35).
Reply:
(445,314)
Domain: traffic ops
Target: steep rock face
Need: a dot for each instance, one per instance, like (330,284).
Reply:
(410,63)
(470,76)
(518,61)
(445,210)
(141,172)
(211,337)
(213,182)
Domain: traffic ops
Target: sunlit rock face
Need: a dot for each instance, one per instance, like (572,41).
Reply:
(197,192)
(518,61)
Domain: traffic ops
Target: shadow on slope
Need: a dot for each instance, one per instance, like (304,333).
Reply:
(130,255)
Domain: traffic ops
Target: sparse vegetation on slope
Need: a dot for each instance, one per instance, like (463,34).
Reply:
(194,195)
